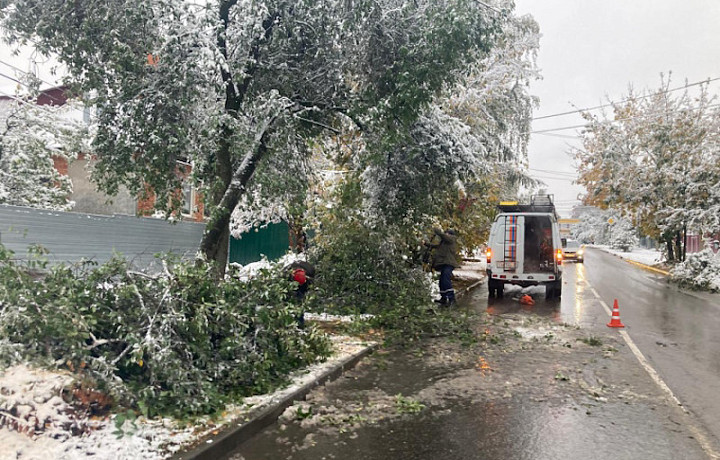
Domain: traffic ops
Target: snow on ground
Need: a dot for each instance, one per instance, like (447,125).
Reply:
(471,270)
(644,256)
(336,318)
(246,272)
(45,420)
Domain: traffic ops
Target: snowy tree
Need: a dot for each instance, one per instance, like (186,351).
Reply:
(658,158)
(468,147)
(622,235)
(593,226)
(230,84)
(31,136)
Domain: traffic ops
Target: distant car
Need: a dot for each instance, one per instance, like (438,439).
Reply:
(573,250)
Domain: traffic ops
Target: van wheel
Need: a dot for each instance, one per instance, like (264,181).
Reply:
(553,290)
(549,291)
(495,288)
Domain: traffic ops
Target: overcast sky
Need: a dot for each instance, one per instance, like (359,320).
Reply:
(592,50)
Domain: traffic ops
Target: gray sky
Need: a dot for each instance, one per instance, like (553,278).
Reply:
(592,50)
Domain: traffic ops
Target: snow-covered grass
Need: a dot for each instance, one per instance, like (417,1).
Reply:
(34,396)
(471,270)
(644,256)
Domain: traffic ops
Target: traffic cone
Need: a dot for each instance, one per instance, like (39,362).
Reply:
(615,320)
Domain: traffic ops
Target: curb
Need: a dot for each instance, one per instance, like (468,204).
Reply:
(467,289)
(647,267)
(220,445)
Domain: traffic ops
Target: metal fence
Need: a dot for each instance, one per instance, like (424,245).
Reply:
(71,237)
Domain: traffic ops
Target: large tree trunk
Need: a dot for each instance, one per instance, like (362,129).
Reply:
(215,242)
(216,239)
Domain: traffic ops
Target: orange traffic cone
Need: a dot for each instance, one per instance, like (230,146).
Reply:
(615,320)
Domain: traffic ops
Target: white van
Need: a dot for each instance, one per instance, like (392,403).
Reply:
(525,248)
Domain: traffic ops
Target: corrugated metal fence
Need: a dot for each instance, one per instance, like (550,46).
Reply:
(71,237)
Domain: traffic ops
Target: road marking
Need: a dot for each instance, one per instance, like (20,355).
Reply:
(697,432)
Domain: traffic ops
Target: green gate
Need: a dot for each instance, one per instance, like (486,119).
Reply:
(272,241)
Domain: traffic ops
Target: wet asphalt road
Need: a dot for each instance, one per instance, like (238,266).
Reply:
(677,330)
(533,391)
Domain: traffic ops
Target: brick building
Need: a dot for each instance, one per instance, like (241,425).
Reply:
(87,198)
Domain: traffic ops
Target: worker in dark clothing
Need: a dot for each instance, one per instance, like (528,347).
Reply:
(302,273)
(445,261)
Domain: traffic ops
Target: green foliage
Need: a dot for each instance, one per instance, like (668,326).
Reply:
(229,85)
(405,405)
(592,341)
(364,270)
(176,343)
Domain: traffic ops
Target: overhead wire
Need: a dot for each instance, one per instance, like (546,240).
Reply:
(53,85)
(610,104)
(562,173)
(635,117)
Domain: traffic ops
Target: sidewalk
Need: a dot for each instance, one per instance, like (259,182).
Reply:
(649,259)
(469,275)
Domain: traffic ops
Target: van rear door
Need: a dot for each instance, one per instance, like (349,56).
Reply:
(508,243)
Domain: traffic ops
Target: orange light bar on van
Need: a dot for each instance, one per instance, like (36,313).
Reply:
(488,253)
(559,256)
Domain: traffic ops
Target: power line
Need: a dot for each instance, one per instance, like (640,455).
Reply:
(564,173)
(54,85)
(562,136)
(624,119)
(627,100)
(554,178)
(39,107)
(54,98)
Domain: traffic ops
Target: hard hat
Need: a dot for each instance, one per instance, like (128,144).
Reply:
(299,276)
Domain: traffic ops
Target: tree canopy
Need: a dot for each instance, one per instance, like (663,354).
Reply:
(658,158)
(31,138)
(244,90)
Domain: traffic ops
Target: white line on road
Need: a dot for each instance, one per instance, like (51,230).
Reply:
(697,432)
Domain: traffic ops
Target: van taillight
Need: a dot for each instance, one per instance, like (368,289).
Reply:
(559,256)
(488,253)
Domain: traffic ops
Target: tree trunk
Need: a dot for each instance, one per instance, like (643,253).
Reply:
(668,243)
(215,241)
(684,253)
(298,240)
(678,246)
